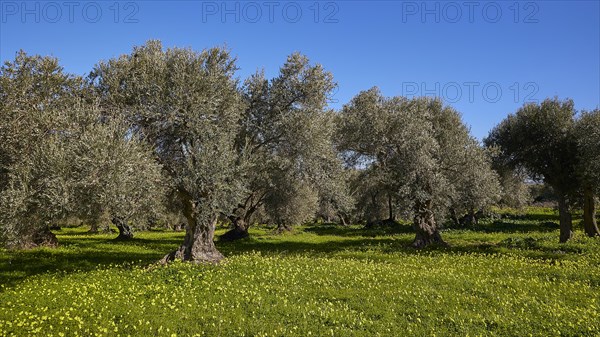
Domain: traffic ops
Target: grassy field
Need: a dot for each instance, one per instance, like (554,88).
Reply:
(507,277)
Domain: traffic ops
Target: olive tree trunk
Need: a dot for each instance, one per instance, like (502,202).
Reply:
(425,226)
(391,217)
(454,217)
(342,219)
(282,228)
(125,232)
(239,230)
(241,217)
(471,218)
(94,228)
(42,237)
(589,214)
(198,245)
(566,221)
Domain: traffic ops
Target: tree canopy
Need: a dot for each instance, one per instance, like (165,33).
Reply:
(165,133)
(541,139)
(419,150)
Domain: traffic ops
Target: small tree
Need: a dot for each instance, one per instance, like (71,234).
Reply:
(541,139)
(114,172)
(36,98)
(588,141)
(290,202)
(477,185)
(285,132)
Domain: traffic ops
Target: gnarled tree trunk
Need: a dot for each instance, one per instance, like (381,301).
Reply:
(282,228)
(42,238)
(566,221)
(589,213)
(198,244)
(454,217)
(471,218)
(239,230)
(425,226)
(125,232)
(342,219)
(94,228)
(241,216)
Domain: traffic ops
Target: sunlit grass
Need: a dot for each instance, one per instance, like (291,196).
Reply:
(508,278)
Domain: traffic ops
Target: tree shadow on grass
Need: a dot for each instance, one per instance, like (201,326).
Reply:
(358,245)
(325,248)
(359,231)
(86,253)
(81,254)
(511,226)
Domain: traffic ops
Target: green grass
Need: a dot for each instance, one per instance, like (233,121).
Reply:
(508,277)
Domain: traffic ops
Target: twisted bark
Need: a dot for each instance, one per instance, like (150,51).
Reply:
(424,224)
(198,245)
(125,232)
(589,214)
(241,216)
(566,221)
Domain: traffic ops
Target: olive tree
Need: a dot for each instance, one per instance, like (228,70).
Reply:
(187,106)
(36,97)
(541,139)
(92,168)
(418,145)
(514,191)
(373,197)
(285,140)
(476,184)
(113,173)
(588,141)
(291,201)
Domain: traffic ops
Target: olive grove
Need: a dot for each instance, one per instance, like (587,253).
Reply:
(169,133)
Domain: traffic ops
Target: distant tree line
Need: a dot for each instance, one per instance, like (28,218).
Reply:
(171,135)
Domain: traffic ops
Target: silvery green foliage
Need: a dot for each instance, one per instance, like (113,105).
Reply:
(417,149)
(113,172)
(62,158)
(35,101)
(477,185)
(290,201)
(187,106)
(514,191)
(588,141)
(37,193)
(35,98)
(286,141)
(540,138)
(96,167)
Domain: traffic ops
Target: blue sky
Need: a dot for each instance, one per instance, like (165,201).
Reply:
(484,58)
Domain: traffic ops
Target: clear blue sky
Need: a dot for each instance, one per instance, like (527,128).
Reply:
(464,51)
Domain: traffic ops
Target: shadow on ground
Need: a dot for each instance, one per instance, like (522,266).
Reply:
(85,252)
